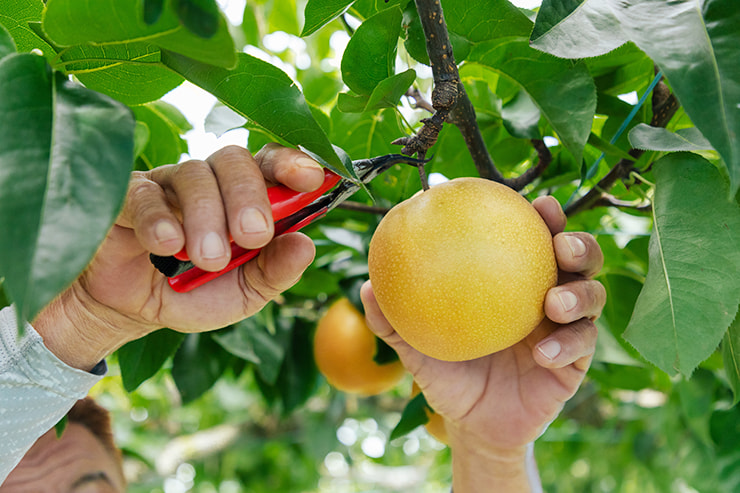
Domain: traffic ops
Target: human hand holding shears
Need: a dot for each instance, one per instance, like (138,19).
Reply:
(291,211)
(198,206)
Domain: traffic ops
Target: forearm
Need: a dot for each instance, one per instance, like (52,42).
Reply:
(36,390)
(475,470)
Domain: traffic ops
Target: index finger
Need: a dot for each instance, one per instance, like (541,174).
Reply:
(290,167)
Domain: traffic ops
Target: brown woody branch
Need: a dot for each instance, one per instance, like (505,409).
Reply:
(449,99)
(360,207)
(544,160)
(665,105)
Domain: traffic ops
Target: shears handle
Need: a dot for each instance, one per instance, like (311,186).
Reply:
(184,276)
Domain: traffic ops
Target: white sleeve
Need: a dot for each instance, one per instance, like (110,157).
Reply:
(37,389)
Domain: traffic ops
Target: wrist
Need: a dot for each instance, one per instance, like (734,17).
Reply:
(79,331)
(478,467)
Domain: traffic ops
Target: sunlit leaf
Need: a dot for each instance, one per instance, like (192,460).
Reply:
(58,203)
(648,138)
(7,46)
(576,28)
(370,55)
(263,93)
(74,22)
(564,91)
(320,12)
(691,293)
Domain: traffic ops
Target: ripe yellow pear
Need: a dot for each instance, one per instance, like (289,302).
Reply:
(344,351)
(461,270)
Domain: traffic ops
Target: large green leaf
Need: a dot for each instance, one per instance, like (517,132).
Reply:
(141,359)
(75,22)
(320,12)
(64,162)
(16,15)
(576,28)
(563,90)
(698,54)
(370,55)
(731,357)
(694,43)
(264,94)
(129,72)
(7,46)
(691,292)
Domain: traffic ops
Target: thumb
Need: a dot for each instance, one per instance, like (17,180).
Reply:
(279,266)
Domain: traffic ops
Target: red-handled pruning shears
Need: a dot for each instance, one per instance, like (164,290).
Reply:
(291,211)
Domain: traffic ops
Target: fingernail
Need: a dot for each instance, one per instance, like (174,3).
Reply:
(577,247)
(252,221)
(165,231)
(305,162)
(549,349)
(212,247)
(568,300)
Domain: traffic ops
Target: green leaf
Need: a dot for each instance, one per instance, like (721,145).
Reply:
(648,138)
(389,91)
(413,416)
(77,22)
(320,12)
(563,90)
(576,28)
(731,357)
(221,119)
(607,148)
(694,43)
(165,144)
(153,11)
(200,17)
(691,293)
(141,138)
(141,359)
(698,54)
(521,117)
(370,55)
(384,354)
(58,202)
(385,95)
(264,94)
(7,46)
(15,16)
(259,340)
(199,362)
(129,72)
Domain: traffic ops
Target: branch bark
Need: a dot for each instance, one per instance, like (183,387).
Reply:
(449,99)
(544,160)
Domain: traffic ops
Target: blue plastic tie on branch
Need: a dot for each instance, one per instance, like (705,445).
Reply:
(594,167)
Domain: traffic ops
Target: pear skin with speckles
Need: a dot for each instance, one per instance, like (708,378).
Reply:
(461,271)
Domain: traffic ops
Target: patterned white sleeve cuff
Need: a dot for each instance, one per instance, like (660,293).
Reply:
(36,389)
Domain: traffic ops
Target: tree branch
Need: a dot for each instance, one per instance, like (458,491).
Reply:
(665,105)
(449,99)
(544,160)
(419,100)
(360,207)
